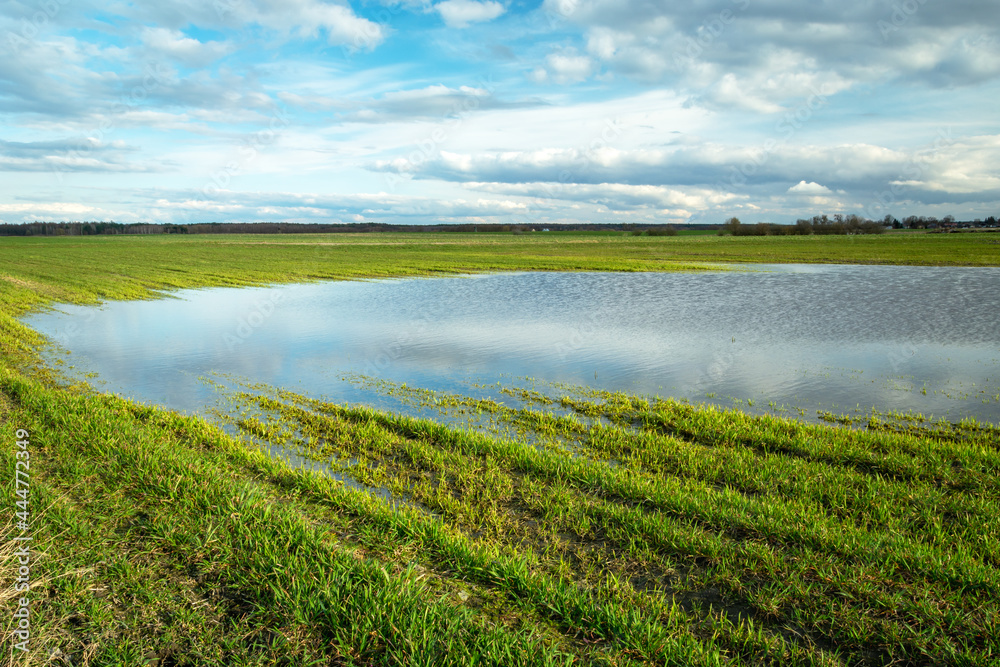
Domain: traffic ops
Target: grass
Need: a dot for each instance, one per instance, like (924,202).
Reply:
(126,267)
(559,527)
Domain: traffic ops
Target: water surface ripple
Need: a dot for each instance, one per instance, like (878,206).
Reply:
(820,337)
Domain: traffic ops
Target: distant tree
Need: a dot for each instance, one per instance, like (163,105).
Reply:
(731,226)
(822,224)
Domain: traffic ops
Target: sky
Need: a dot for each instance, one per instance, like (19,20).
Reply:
(498,111)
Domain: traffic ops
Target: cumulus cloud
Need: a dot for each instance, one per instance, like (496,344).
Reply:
(563,68)
(221,205)
(760,56)
(63,78)
(43,75)
(341,24)
(85,154)
(336,21)
(809,189)
(46,211)
(178,46)
(860,172)
(613,196)
(460,13)
(703,164)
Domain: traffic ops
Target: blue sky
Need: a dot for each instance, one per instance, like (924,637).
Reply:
(498,111)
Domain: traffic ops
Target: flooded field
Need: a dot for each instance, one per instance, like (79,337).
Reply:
(582,520)
(799,340)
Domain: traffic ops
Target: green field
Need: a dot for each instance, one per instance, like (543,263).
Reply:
(575,527)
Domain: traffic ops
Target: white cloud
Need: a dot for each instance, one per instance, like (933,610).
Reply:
(760,57)
(613,196)
(809,189)
(85,154)
(177,45)
(682,176)
(235,205)
(460,13)
(704,163)
(306,18)
(341,24)
(564,68)
(47,209)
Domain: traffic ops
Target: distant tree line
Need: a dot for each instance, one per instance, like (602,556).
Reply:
(87,229)
(819,225)
(106,228)
(947,222)
(669,230)
(849,224)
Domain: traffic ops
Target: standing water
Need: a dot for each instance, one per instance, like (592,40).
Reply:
(793,338)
